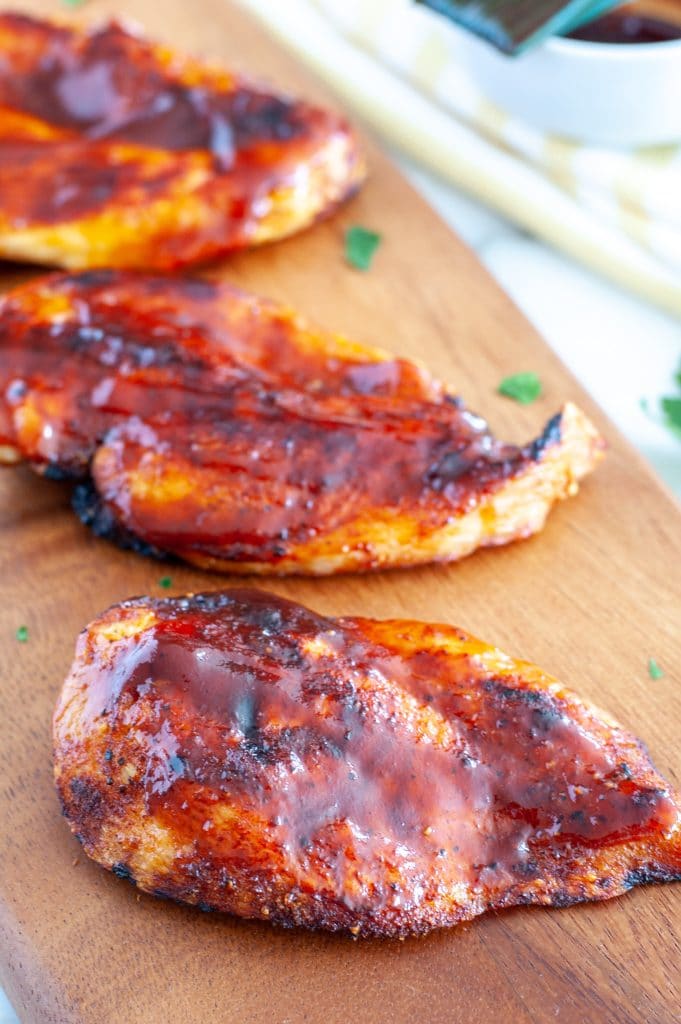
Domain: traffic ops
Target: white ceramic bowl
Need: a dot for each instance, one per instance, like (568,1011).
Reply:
(615,94)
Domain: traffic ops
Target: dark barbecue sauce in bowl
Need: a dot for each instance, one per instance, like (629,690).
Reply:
(629,26)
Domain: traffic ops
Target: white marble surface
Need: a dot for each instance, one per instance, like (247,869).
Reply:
(620,348)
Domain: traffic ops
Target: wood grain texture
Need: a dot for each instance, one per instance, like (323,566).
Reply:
(590,600)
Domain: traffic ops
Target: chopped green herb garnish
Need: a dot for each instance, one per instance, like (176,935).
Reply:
(670,409)
(73,3)
(22,634)
(360,246)
(654,670)
(671,412)
(165,582)
(521,387)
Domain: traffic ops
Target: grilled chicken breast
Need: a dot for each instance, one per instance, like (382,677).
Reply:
(116,151)
(238,752)
(221,428)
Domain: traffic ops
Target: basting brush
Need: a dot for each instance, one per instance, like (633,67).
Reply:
(515,25)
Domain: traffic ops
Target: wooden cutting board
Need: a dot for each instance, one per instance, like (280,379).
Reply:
(590,600)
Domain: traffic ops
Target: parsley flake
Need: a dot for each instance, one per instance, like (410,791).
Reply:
(671,412)
(521,387)
(654,670)
(360,246)
(22,634)
(166,582)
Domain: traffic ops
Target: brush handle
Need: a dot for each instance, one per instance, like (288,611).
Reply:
(514,26)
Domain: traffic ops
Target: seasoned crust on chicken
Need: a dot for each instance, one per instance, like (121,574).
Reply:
(238,752)
(117,151)
(219,427)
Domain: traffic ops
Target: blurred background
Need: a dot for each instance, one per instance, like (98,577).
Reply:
(559,165)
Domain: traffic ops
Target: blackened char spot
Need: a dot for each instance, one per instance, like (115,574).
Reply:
(510,693)
(123,871)
(650,874)
(53,471)
(638,876)
(563,898)
(92,511)
(87,797)
(544,719)
(161,894)
(551,435)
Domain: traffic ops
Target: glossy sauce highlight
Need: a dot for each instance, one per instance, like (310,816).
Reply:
(255,430)
(350,752)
